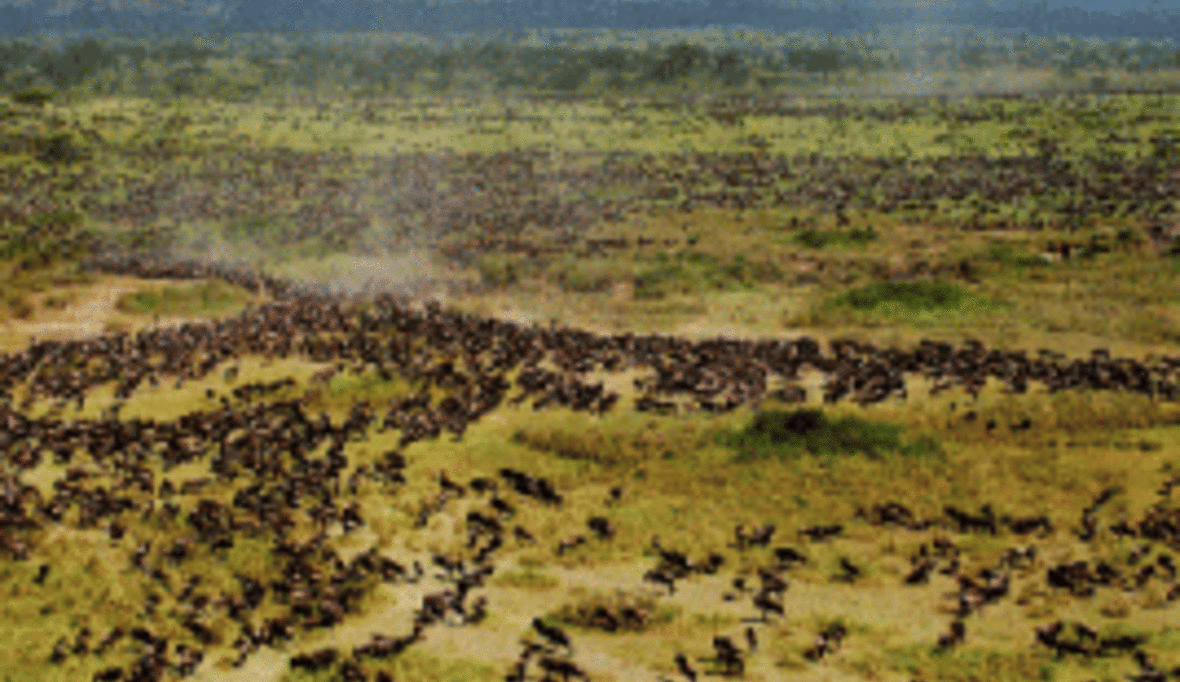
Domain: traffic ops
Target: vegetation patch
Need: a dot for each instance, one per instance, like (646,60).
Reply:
(694,272)
(608,446)
(788,434)
(1007,255)
(818,239)
(918,302)
(916,296)
(972,663)
(212,297)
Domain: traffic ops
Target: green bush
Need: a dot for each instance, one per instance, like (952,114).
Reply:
(36,95)
(61,148)
(782,434)
(911,295)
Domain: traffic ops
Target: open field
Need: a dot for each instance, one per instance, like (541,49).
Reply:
(280,375)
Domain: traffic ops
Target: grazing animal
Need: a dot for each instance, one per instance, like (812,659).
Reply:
(772,583)
(851,571)
(601,526)
(317,660)
(826,642)
(818,533)
(787,555)
(761,537)
(729,655)
(482,485)
(685,668)
(60,650)
(921,572)
(502,507)
(662,577)
(766,604)
(552,634)
(560,666)
(108,675)
(955,636)
(570,543)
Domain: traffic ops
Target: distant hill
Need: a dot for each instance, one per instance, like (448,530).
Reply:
(1100,18)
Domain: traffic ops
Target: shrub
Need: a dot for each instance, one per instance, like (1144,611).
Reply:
(910,295)
(36,96)
(60,148)
(782,434)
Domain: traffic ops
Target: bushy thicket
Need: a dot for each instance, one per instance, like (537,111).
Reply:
(247,64)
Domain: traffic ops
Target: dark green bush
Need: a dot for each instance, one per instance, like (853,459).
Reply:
(36,95)
(61,148)
(782,434)
(911,295)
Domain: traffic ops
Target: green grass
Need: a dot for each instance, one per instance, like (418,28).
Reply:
(209,298)
(687,272)
(919,303)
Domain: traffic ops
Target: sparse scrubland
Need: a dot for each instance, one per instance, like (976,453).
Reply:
(356,386)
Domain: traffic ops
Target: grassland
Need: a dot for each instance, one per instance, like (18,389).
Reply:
(890,221)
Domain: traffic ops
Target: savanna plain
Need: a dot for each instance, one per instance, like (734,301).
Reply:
(660,373)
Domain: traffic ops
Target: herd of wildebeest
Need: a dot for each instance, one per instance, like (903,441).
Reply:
(471,358)
(477,203)
(479,364)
